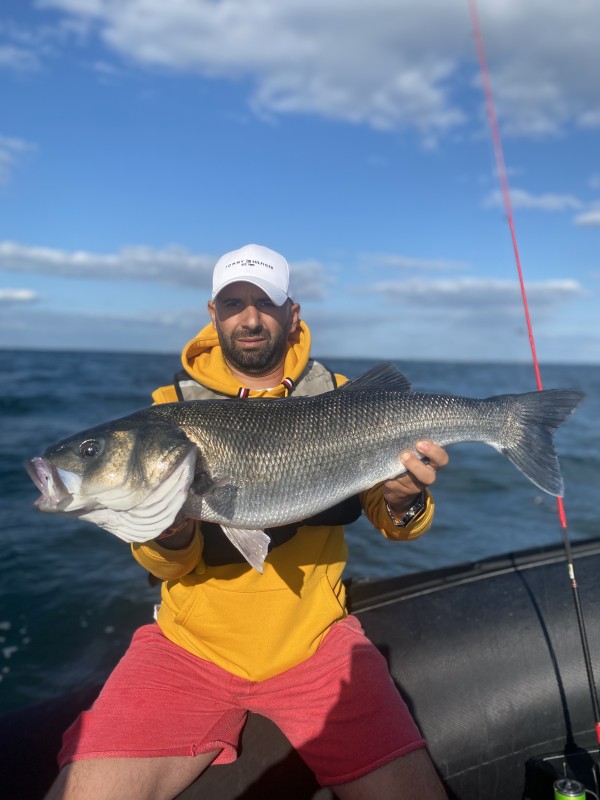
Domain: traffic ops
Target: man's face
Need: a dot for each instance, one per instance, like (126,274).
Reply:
(252,330)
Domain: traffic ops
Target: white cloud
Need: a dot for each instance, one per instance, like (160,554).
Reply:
(17,58)
(11,296)
(173,265)
(309,280)
(542,82)
(589,219)
(170,265)
(590,119)
(541,202)
(26,48)
(385,65)
(67,330)
(475,297)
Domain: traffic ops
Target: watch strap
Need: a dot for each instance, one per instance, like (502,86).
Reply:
(413,512)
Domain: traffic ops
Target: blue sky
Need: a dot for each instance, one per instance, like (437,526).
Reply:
(140,140)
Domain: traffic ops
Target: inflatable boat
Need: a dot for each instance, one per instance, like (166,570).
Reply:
(488,656)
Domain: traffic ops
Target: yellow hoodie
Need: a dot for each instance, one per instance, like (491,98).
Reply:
(257,625)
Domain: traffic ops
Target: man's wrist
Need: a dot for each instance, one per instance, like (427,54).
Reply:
(177,537)
(409,512)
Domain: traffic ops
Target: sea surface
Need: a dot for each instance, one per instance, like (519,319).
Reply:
(71,594)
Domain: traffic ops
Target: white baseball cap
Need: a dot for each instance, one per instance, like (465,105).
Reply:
(255,264)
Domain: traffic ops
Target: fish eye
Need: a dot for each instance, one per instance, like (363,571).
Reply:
(90,448)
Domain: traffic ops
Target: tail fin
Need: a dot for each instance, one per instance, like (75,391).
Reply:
(528,443)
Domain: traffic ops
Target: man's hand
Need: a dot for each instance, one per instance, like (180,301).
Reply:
(177,537)
(400,493)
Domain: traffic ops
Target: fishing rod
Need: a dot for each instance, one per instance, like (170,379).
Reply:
(506,198)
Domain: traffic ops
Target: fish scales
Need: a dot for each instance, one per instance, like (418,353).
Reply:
(260,463)
(277,457)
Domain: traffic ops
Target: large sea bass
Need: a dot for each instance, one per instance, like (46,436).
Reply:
(250,465)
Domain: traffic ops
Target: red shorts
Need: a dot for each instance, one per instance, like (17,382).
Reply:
(163,701)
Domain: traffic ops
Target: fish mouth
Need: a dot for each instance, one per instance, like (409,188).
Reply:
(54,495)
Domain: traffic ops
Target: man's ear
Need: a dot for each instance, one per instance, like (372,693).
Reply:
(295,317)
(211,311)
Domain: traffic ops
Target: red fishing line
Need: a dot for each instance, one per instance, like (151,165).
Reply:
(506,199)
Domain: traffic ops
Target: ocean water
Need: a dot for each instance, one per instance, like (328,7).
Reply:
(71,594)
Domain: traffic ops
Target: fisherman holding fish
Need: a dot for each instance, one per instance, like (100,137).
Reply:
(274,638)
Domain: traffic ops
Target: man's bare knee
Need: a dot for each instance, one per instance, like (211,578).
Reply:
(411,777)
(128,778)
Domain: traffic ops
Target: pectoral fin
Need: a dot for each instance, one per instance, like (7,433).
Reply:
(252,544)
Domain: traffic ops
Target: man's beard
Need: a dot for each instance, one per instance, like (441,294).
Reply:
(260,361)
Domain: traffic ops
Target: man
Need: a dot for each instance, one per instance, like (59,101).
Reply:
(229,639)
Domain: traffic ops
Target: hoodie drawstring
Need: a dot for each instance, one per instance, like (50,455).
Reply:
(287,383)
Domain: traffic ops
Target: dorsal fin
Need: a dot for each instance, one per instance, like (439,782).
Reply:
(383,376)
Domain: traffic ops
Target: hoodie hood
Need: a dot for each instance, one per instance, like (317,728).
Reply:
(203,360)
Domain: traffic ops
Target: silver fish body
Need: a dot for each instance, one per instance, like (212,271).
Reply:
(250,465)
